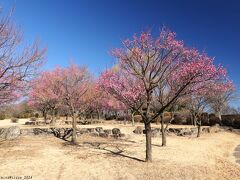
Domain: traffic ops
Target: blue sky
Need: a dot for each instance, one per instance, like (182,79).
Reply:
(83,32)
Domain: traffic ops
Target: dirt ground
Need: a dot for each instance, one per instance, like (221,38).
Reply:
(208,157)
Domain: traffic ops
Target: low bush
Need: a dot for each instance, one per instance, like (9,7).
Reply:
(236,124)
(231,120)
(33,119)
(123,117)
(2,116)
(110,117)
(14,120)
(179,119)
(138,118)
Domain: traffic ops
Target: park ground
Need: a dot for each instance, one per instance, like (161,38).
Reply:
(209,157)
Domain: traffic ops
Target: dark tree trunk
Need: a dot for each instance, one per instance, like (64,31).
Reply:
(199,129)
(98,115)
(164,140)
(53,122)
(157,121)
(125,117)
(148,142)
(66,116)
(194,120)
(74,127)
(45,116)
(133,122)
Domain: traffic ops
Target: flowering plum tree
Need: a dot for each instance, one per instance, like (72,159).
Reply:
(161,69)
(208,96)
(15,70)
(45,92)
(75,82)
(220,100)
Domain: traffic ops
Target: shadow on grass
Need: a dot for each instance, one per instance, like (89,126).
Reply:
(119,153)
(97,145)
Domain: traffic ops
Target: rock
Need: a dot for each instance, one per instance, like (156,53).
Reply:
(122,135)
(175,131)
(44,131)
(116,136)
(30,123)
(206,130)
(185,132)
(99,129)
(236,130)
(48,121)
(91,130)
(214,129)
(103,135)
(155,132)
(27,132)
(116,131)
(194,130)
(108,131)
(10,133)
(83,131)
(66,122)
(95,134)
(138,130)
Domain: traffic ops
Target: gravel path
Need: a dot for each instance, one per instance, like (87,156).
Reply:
(237,154)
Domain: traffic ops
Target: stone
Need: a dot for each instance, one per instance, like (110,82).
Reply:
(138,130)
(91,130)
(42,131)
(214,129)
(155,132)
(175,131)
(30,123)
(116,136)
(99,129)
(108,131)
(103,135)
(185,132)
(236,130)
(95,134)
(83,131)
(116,131)
(10,133)
(206,130)
(194,130)
(67,122)
(122,135)
(26,132)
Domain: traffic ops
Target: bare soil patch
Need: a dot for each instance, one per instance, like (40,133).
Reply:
(208,157)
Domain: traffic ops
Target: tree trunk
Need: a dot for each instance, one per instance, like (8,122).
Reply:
(98,115)
(194,120)
(53,122)
(45,116)
(220,115)
(164,140)
(148,142)
(199,129)
(133,123)
(74,127)
(157,121)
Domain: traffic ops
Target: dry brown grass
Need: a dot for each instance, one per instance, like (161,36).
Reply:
(209,157)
